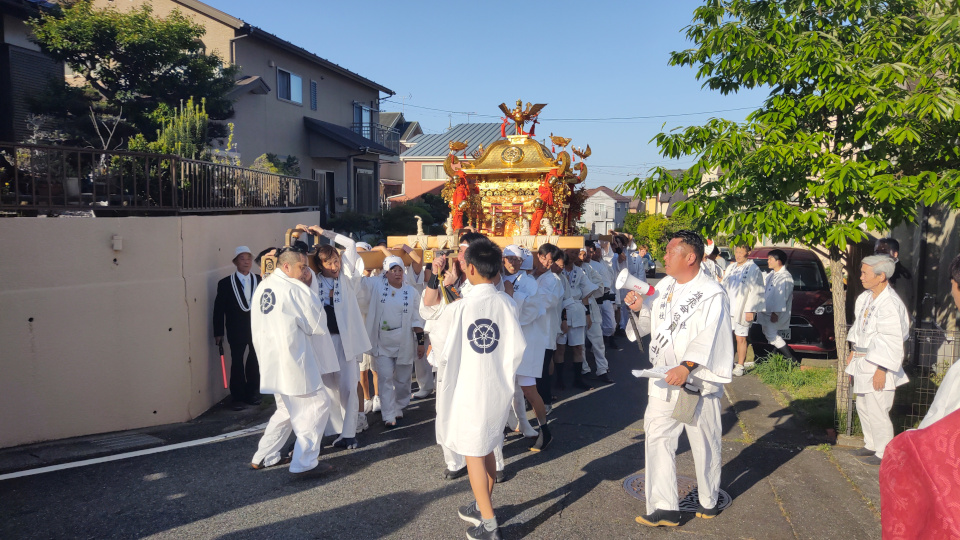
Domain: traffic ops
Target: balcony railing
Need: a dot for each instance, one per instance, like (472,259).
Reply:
(37,179)
(379,134)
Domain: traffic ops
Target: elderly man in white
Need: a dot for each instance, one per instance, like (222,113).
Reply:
(743,282)
(290,330)
(689,318)
(876,356)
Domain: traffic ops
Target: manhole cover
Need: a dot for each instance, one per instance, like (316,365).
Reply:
(686,489)
(126,441)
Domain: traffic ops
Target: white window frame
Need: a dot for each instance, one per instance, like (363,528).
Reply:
(440,172)
(292,86)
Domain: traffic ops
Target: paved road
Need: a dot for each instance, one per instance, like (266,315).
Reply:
(391,487)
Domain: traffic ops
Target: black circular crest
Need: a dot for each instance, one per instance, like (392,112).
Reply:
(483,335)
(267,301)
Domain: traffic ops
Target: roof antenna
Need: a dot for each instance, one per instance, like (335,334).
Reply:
(403,103)
(449,122)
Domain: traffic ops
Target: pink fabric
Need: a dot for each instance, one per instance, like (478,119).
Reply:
(920,482)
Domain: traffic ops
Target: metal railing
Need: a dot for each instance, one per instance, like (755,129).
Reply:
(39,179)
(379,134)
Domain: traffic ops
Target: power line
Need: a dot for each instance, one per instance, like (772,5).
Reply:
(608,119)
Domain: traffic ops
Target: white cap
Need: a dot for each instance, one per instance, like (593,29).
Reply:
(527,261)
(709,248)
(241,249)
(364,245)
(391,261)
(583,250)
(513,250)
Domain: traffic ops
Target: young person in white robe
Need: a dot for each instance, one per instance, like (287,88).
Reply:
(778,303)
(371,400)
(441,293)
(395,330)
(743,282)
(710,265)
(337,286)
(688,318)
(532,314)
(289,328)
(578,293)
(607,296)
(875,361)
(476,379)
(594,332)
(551,286)
(947,399)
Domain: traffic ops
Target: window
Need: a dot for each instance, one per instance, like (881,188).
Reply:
(432,172)
(313,95)
(289,86)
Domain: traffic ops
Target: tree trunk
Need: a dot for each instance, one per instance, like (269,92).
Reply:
(843,396)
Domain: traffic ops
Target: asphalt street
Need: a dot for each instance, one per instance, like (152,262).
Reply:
(782,484)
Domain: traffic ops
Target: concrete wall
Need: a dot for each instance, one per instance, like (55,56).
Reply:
(97,340)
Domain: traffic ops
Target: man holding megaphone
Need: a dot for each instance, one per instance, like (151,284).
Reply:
(688,315)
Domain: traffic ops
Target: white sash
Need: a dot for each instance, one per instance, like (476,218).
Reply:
(661,344)
(242,298)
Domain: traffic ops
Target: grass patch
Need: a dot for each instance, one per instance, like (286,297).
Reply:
(812,392)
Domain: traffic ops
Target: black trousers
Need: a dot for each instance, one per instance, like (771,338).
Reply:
(244,380)
(544,383)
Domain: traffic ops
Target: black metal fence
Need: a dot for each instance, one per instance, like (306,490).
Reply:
(929,353)
(44,180)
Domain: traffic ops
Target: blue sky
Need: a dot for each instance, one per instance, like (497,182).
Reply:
(586,60)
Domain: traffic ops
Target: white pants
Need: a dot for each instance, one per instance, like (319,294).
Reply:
(519,408)
(346,380)
(770,333)
(455,461)
(874,411)
(394,381)
(304,415)
(424,373)
(595,335)
(661,433)
(608,324)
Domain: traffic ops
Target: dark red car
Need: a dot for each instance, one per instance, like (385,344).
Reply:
(811,319)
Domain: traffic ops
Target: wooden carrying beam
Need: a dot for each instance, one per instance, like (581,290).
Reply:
(374,259)
(563,242)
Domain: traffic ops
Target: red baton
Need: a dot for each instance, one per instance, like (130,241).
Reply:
(223,366)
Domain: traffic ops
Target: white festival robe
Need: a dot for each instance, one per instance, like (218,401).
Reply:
(373,291)
(697,317)
(285,318)
(878,332)
(346,304)
(777,298)
(531,309)
(744,286)
(550,287)
(577,288)
(477,370)
(711,268)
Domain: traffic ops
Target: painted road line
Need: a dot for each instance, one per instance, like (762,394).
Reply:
(126,455)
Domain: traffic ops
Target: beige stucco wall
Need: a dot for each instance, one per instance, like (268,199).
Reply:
(118,339)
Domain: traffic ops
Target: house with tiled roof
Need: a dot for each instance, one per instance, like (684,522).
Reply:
(604,209)
(423,161)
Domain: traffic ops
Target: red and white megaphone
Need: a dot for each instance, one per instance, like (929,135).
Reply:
(628,282)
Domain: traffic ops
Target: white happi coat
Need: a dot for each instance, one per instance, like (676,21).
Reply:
(593,308)
(947,399)
(878,332)
(532,308)
(711,268)
(285,318)
(699,311)
(634,265)
(346,288)
(577,287)
(744,286)
(778,298)
(373,292)
(476,371)
(551,288)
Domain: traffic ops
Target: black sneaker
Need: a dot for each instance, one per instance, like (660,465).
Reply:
(350,443)
(480,532)
(707,513)
(605,378)
(660,518)
(471,514)
(453,475)
(543,439)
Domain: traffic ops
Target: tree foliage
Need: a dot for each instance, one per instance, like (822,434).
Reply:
(859,128)
(132,60)
(654,231)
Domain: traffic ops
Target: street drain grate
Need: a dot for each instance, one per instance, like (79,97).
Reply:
(686,489)
(126,441)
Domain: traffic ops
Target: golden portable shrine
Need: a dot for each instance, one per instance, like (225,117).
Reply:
(514,190)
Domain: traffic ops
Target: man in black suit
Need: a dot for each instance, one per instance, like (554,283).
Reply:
(233,305)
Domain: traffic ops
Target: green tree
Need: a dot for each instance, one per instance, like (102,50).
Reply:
(859,128)
(438,208)
(632,221)
(132,61)
(400,219)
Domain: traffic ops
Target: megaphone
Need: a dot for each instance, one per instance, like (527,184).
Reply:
(632,246)
(625,280)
